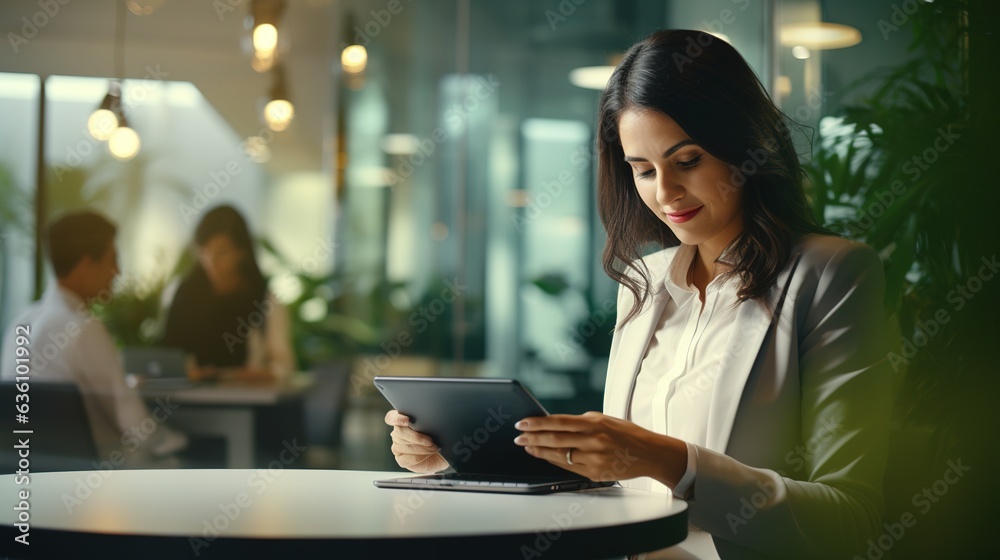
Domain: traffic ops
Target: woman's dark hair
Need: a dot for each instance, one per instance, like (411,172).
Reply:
(226,220)
(703,84)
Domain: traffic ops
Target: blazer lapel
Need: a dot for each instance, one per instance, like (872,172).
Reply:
(632,348)
(635,337)
(752,326)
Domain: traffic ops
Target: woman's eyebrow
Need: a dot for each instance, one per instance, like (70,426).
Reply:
(667,153)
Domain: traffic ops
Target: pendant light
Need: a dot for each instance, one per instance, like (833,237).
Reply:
(279,111)
(108,121)
(264,39)
(103,121)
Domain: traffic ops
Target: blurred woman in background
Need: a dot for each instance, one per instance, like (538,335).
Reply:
(223,312)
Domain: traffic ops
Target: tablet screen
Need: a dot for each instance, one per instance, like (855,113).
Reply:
(472,420)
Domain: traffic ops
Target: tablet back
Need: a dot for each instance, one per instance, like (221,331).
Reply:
(472,420)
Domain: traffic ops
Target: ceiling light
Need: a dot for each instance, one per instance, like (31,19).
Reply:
(278,114)
(265,40)
(101,124)
(400,144)
(591,77)
(354,59)
(279,111)
(104,120)
(108,122)
(124,143)
(373,176)
(820,36)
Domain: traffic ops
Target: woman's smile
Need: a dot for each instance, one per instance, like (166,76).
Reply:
(683,215)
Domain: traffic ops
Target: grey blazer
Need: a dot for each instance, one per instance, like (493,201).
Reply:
(799,416)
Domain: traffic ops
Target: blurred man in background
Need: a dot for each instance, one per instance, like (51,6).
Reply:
(70,345)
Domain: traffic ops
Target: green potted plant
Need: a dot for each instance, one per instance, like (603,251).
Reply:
(887,177)
(320,332)
(902,173)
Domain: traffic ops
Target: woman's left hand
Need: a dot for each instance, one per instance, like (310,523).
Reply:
(603,448)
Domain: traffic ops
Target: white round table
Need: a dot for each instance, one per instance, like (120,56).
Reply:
(311,513)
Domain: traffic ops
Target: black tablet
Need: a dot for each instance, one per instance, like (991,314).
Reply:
(472,420)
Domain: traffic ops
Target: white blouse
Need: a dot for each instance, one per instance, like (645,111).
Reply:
(677,375)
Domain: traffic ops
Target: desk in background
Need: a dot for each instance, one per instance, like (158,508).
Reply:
(235,411)
(332,514)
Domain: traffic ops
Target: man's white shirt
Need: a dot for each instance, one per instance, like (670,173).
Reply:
(68,344)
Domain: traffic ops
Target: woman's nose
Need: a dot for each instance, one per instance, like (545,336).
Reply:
(667,191)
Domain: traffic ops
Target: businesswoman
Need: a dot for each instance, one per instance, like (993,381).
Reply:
(747,372)
(223,312)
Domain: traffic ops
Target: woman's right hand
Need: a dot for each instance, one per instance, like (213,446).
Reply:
(413,450)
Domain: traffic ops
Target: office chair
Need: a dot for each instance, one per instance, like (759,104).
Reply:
(61,438)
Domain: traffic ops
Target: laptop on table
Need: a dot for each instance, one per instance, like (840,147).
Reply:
(472,420)
(158,367)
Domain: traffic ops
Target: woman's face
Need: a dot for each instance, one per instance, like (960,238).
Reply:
(674,175)
(221,259)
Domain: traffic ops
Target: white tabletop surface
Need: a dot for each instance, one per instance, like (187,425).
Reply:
(314,504)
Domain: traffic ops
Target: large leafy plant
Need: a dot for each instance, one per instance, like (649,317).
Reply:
(895,173)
